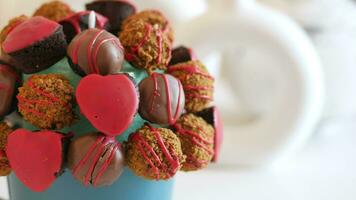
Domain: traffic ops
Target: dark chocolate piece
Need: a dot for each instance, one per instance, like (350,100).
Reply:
(182,54)
(36,44)
(95,159)
(75,24)
(8,82)
(161,99)
(115,10)
(96,51)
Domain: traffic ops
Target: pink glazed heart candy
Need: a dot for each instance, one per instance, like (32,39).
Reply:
(35,157)
(110,102)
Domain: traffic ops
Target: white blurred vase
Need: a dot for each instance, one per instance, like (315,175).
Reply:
(269,86)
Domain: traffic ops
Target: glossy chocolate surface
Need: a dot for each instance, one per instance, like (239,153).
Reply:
(161,99)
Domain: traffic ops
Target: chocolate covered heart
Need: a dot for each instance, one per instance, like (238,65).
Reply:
(35,157)
(108,102)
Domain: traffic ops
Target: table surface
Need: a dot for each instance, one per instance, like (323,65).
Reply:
(324,170)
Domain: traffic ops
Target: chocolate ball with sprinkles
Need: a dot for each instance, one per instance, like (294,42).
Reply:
(96,51)
(35,44)
(198,84)
(154,153)
(5,130)
(46,101)
(95,159)
(146,47)
(154,18)
(115,10)
(76,23)
(197,138)
(161,99)
(212,116)
(54,10)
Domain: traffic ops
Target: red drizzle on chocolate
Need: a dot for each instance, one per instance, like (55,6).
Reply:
(99,146)
(130,54)
(190,89)
(172,118)
(51,99)
(155,162)
(93,48)
(196,139)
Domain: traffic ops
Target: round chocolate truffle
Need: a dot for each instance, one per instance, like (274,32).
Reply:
(54,10)
(10,26)
(46,101)
(182,54)
(146,46)
(198,84)
(153,17)
(95,159)
(154,153)
(115,10)
(197,138)
(96,51)
(5,168)
(212,116)
(36,44)
(76,23)
(161,99)
(8,83)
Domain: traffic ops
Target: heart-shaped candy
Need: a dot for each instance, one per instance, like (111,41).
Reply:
(108,102)
(35,157)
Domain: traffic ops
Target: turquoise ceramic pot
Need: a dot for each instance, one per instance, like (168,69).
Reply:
(127,187)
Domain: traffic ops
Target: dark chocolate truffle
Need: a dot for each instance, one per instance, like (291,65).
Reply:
(197,138)
(96,51)
(154,153)
(146,46)
(55,10)
(182,54)
(212,116)
(161,99)
(115,10)
(46,101)
(10,26)
(76,23)
(8,82)
(95,159)
(36,44)
(198,84)
(154,18)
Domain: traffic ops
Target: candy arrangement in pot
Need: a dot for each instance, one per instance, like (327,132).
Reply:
(111,68)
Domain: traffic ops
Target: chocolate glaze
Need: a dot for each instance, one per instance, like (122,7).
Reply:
(182,54)
(8,83)
(161,99)
(78,22)
(96,51)
(115,10)
(95,159)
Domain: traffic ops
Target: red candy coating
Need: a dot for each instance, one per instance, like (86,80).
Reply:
(36,158)
(28,33)
(108,102)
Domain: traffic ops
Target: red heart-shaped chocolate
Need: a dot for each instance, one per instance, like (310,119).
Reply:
(108,102)
(35,157)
